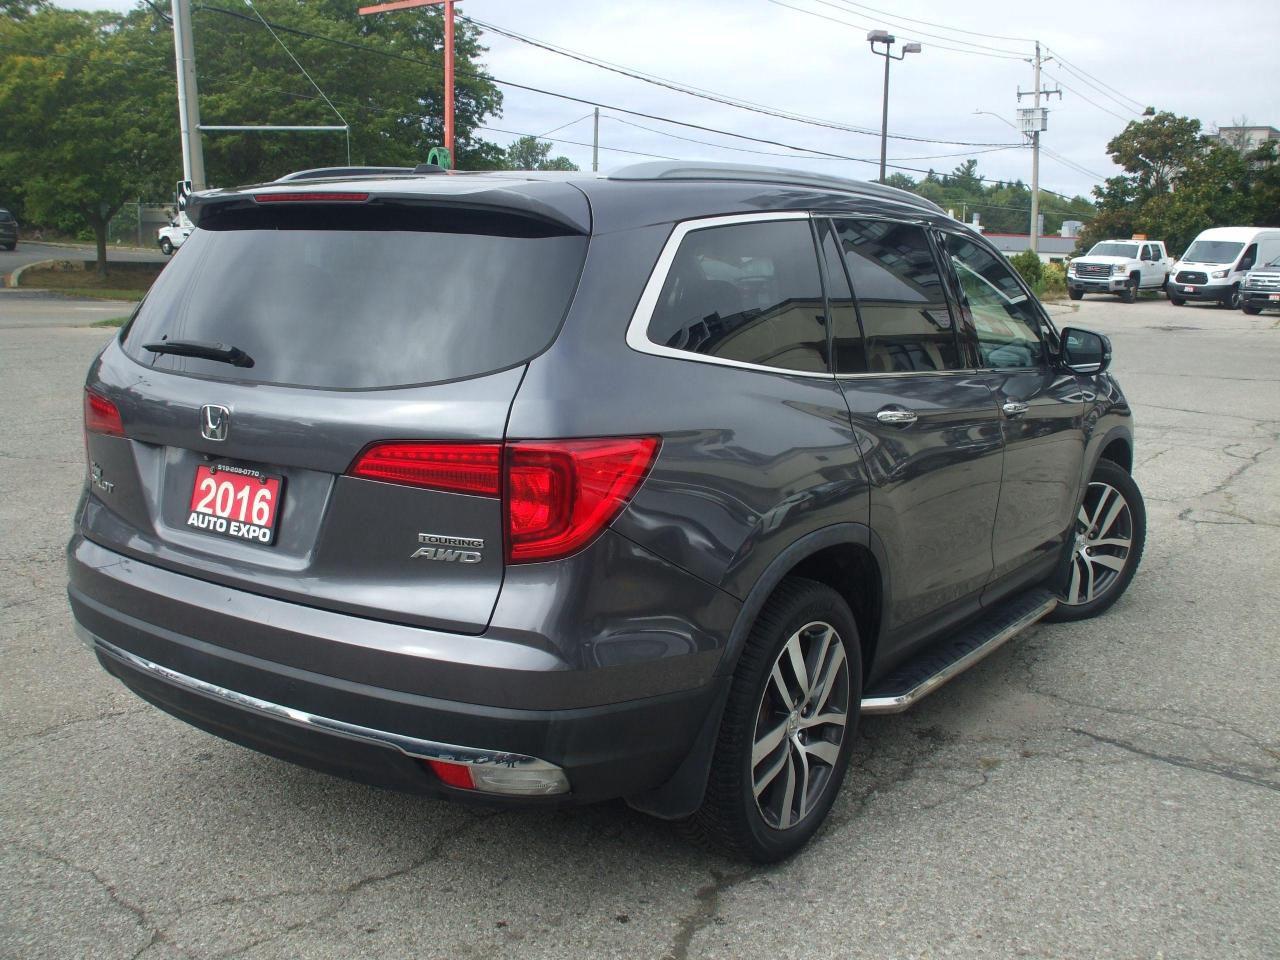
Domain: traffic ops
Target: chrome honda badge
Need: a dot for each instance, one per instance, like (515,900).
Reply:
(215,422)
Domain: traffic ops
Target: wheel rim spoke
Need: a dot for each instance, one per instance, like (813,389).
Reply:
(1124,543)
(807,694)
(1109,521)
(1073,591)
(1107,526)
(768,743)
(1088,587)
(1102,502)
(1108,561)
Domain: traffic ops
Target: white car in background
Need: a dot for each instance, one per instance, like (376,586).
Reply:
(174,235)
(1123,267)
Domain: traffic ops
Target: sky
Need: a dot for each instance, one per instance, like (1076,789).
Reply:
(1214,62)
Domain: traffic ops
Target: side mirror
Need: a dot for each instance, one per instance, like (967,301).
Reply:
(1083,351)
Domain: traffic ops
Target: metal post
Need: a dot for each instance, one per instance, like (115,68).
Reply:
(1035,162)
(595,144)
(184,50)
(448,80)
(884,116)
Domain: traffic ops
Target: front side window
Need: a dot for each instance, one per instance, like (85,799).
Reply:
(1006,319)
(905,320)
(748,292)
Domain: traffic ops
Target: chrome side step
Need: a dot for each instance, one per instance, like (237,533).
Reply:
(924,674)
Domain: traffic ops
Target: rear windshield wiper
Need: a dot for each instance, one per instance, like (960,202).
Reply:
(202,349)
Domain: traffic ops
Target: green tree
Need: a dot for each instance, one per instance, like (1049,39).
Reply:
(530,153)
(82,133)
(900,180)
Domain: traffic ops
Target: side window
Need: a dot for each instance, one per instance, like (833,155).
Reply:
(1006,319)
(748,292)
(1146,252)
(1250,257)
(900,296)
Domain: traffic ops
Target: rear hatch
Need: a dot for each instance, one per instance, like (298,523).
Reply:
(290,339)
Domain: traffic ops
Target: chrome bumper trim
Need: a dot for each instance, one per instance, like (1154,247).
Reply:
(410,746)
(881,705)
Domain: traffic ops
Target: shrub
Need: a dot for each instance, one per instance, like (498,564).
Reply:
(1028,264)
(1053,281)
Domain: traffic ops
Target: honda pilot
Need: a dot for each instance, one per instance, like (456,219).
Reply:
(545,489)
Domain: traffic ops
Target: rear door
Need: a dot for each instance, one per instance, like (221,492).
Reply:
(930,428)
(1040,406)
(350,325)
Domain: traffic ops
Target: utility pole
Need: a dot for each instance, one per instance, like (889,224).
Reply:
(448,56)
(184,50)
(595,144)
(1033,125)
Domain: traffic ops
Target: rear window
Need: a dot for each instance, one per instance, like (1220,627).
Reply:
(6,216)
(361,298)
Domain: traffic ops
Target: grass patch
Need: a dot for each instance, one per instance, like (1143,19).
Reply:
(122,282)
(110,322)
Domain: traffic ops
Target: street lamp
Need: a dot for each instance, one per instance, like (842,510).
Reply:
(887,39)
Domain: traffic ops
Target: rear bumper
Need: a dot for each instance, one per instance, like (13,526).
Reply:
(323,717)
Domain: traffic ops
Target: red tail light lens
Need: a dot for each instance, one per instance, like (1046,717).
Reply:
(454,774)
(562,493)
(473,468)
(101,415)
(327,197)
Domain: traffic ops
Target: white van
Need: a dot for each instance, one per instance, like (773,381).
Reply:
(1213,267)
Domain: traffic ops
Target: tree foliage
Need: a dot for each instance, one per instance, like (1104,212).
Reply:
(1001,207)
(530,153)
(90,110)
(1178,182)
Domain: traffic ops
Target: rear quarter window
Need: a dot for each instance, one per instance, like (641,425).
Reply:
(362,298)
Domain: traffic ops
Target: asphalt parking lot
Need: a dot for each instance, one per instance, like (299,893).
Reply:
(1104,789)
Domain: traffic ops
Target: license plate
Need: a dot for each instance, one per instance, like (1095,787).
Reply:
(1188,289)
(1274,296)
(239,503)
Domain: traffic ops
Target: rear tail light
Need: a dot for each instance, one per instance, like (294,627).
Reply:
(561,494)
(453,467)
(454,774)
(313,197)
(558,495)
(101,415)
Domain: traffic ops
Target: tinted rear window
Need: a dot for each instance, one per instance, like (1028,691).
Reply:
(362,297)
(6,216)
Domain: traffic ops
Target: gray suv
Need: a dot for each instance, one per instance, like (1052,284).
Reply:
(540,488)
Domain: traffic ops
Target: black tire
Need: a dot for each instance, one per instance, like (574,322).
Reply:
(1075,294)
(1233,299)
(1079,571)
(166,246)
(731,818)
(1176,301)
(1130,292)
(1251,311)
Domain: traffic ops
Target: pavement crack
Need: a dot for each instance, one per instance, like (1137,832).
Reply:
(706,903)
(1185,762)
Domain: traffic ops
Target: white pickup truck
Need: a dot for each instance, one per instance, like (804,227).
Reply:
(1120,266)
(173,236)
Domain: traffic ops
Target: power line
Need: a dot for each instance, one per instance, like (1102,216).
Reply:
(703,94)
(940,26)
(1118,102)
(863,26)
(841,4)
(1080,72)
(1092,103)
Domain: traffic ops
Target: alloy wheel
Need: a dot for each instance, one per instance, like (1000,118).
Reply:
(800,725)
(1104,538)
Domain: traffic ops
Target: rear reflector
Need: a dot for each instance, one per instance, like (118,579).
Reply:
(101,415)
(453,467)
(558,495)
(562,493)
(312,197)
(454,774)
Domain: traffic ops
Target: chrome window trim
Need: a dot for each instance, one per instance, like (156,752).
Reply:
(410,746)
(638,329)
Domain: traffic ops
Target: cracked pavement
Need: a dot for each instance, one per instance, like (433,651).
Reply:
(1100,789)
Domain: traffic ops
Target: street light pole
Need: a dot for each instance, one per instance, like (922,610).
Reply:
(888,40)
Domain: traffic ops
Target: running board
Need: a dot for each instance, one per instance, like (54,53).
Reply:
(920,676)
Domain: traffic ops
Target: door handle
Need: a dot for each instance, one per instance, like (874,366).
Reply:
(1015,408)
(897,418)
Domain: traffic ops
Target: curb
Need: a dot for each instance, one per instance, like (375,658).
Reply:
(14,277)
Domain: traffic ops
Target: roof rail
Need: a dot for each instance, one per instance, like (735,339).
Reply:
(679,170)
(335,173)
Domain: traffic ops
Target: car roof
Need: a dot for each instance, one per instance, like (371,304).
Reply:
(1239,234)
(633,195)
